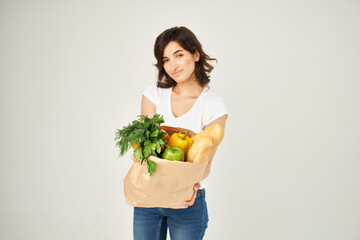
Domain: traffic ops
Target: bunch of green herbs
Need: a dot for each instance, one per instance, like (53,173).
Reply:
(146,132)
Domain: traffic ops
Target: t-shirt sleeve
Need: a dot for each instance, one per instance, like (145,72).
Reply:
(215,110)
(151,93)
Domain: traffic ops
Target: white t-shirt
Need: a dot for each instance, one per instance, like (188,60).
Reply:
(207,108)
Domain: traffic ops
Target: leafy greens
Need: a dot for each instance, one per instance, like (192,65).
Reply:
(146,132)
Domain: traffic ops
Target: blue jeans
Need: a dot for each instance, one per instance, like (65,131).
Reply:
(184,224)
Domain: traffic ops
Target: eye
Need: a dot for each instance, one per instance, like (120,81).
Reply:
(180,55)
(165,61)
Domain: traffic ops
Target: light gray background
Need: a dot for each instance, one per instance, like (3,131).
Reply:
(72,72)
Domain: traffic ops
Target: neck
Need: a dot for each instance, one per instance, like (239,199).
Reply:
(187,88)
(190,87)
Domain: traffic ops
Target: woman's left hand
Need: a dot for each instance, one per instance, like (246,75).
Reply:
(192,200)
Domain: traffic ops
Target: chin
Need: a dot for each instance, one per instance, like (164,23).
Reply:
(179,80)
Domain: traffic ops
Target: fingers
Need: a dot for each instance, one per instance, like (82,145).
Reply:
(192,200)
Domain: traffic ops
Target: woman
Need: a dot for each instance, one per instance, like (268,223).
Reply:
(182,97)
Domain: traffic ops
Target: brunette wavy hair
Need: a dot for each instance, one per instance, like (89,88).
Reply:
(189,42)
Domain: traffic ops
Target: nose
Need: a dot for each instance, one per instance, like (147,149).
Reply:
(174,65)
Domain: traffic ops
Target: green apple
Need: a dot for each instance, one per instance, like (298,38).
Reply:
(173,153)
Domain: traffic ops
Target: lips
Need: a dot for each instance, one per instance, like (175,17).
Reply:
(176,73)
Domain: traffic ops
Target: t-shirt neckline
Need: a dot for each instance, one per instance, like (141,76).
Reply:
(188,112)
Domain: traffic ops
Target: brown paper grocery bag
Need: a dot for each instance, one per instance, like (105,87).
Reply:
(168,187)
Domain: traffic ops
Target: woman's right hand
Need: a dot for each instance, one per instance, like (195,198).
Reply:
(133,158)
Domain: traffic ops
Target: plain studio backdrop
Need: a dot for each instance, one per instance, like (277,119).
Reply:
(72,72)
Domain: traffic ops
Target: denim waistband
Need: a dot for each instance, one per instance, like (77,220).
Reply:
(200,192)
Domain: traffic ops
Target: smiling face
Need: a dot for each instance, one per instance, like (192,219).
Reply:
(179,63)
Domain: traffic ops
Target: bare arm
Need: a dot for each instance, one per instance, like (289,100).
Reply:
(222,121)
(147,107)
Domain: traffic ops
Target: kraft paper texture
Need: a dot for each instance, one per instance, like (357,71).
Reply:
(169,186)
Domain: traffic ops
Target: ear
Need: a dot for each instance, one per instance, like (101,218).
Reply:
(197,56)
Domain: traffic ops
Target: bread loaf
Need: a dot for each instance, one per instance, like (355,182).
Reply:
(204,142)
